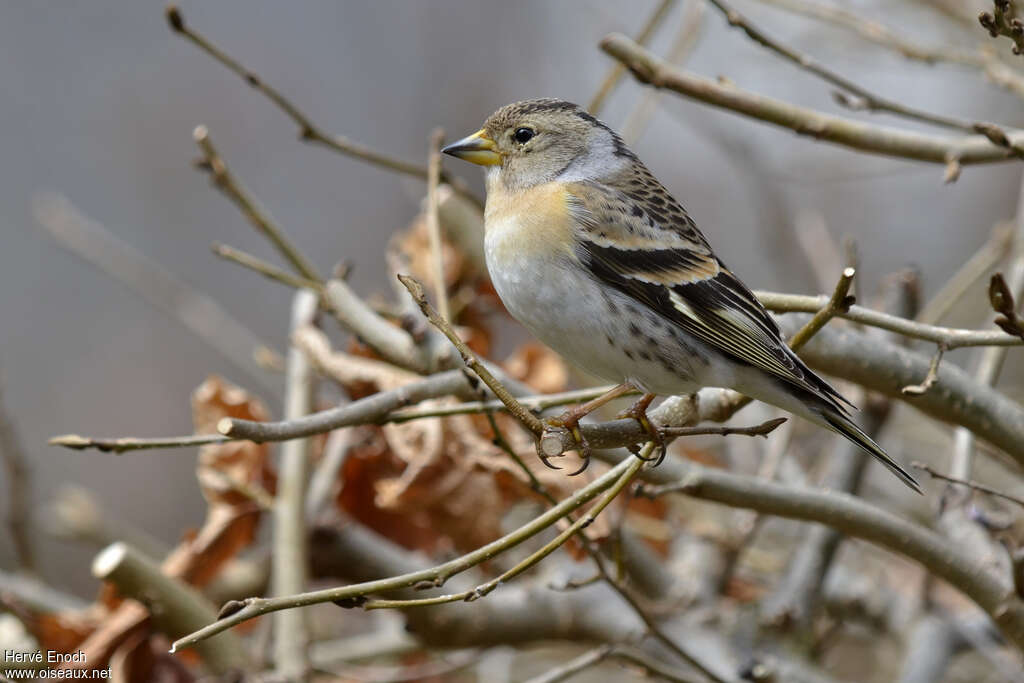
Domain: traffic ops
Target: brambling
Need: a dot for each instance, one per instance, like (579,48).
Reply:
(591,253)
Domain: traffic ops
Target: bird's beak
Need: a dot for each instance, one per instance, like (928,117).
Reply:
(476,149)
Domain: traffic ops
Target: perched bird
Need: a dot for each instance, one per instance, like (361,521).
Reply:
(591,253)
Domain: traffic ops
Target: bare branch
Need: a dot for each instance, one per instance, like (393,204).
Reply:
(308,131)
(265,269)
(931,377)
(954,338)
(887,367)
(853,517)
(532,559)
(129,443)
(990,360)
(763,429)
(864,99)
(236,612)
(971,149)
(226,182)
(176,608)
(528,419)
(838,303)
(573,666)
(968,483)
(434,223)
(289,572)
(985,60)
(391,342)
(1003,21)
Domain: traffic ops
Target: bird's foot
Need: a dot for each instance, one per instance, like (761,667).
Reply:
(570,420)
(638,412)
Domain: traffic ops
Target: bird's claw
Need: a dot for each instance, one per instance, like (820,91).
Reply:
(571,422)
(638,412)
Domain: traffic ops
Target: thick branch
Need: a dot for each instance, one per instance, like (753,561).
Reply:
(392,343)
(175,607)
(886,367)
(853,517)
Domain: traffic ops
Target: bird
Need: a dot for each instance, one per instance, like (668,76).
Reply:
(591,253)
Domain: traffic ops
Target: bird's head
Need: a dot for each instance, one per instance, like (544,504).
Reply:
(537,141)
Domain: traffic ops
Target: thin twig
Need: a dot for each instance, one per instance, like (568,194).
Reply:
(517,409)
(536,403)
(434,223)
(865,99)
(966,482)
(615,74)
(930,378)
(574,666)
(531,560)
(971,149)
(763,429)
(237,612)
(853,517)
(1004,303)
(1003,20)
(838,303)
(985,60)
(308,131)
(129,443)
(651,666)
(954,338)
(652,626)
(226,182)
(265,269)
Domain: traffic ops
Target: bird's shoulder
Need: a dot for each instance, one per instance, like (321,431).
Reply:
(632,205)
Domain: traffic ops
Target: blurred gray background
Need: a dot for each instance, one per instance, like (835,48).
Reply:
(100,98)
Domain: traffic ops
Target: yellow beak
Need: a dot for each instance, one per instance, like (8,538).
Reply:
(476,149)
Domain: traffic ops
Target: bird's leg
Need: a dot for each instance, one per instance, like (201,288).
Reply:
(570,420)
(638,411)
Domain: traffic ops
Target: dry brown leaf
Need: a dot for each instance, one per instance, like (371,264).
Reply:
(540,367)
(224,468)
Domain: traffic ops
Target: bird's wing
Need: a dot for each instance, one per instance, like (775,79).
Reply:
(659,258)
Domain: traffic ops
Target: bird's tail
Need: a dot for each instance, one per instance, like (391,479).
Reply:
(843,425)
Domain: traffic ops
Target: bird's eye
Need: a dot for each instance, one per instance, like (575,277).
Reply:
(523,135)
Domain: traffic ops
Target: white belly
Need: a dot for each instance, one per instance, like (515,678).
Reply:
(587,323)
